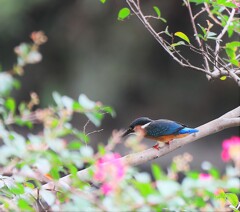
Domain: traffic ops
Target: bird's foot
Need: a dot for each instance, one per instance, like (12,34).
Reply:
(168,142)
(156,146)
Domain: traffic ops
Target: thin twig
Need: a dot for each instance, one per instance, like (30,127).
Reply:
(219,37)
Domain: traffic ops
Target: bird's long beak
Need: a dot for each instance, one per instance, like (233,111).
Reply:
(128,131)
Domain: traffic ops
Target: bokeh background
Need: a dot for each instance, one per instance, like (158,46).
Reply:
(119,63)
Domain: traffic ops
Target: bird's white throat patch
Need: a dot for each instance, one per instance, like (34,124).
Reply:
(145,125)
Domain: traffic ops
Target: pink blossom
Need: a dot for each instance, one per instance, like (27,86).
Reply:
(110,174)
(231,149)
(205,176)
(106,188)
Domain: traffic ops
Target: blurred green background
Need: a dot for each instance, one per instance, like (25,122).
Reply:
(116,62)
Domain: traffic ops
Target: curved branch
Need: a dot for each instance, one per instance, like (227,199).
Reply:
(230,119)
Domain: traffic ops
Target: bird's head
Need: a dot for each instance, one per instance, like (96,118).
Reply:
(137,125)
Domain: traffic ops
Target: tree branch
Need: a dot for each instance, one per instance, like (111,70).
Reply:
(214,66)
(230,119)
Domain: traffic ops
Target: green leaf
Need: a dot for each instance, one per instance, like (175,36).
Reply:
(232,198)
(157,10)
(29,185)
(16,84)
(203,30)
(10,104)
(233,44)
(230,52)
(235,62)
(163,20)
(182,36)
(76,106)
(103,1)
(157,172)
(199,1)
(223,77)
(199,202)
(123,13)
(74,145)
(54,173)
(179,43)
(226,3)
(95,118)
(20,122)
(17,189)
(213,171)
(82,136)
(23,204)
(167,32)
(193,174)
(109,110)
(144,188)
(101,149)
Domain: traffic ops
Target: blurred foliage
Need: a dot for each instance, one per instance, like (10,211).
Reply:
(29,160)
(13,13)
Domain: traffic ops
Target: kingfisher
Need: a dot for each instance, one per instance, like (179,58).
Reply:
(161,130)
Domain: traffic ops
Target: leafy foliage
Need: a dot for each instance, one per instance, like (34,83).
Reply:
(46,154)
(123,13)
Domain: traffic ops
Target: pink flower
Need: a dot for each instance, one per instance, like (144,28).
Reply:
(110,171)
(231,149)
(205,176)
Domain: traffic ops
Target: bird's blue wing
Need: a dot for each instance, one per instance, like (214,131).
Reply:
(163,127)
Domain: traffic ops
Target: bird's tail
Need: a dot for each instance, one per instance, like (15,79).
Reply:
(187,130)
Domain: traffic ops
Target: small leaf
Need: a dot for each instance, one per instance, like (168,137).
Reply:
(213,171)
(157,10)
(10,104)
(193,174)
(109,110)
(163,20)
(167,32)
(101,149)
(73,145)
(223,78)
(24,205)
(230,52)
(232,198)
(103,1)
(199,202)
(203,30)
(157,172)
(123,13)
(17,189)
(233,44)
(183,36)
(179,43)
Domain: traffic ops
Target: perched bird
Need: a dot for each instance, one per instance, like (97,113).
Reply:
(161,130)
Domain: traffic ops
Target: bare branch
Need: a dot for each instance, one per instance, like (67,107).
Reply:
(182,60)
(196,35)
(214,66)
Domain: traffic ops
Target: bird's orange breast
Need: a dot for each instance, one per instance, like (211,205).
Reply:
(167,138)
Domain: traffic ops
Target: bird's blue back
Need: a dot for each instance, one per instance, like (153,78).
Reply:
(164,127)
